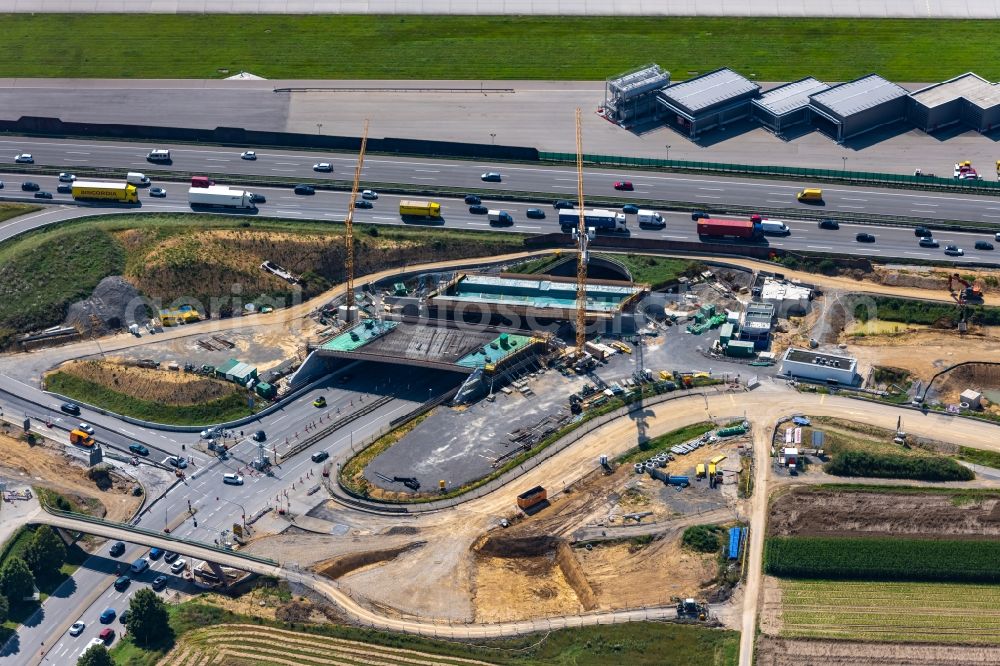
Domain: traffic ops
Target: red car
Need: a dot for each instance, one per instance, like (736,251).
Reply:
(624,185)
(107,634)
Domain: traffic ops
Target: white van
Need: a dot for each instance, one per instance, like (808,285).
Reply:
(136,178)
(158,155)
(649,218)
(773,228)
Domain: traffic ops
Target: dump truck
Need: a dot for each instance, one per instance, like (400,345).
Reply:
(408,208)
(219,196)
(80,438)
(721,228)
(93,191)
(530,498)
(597,219)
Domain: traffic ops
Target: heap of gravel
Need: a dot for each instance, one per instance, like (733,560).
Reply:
(114,304)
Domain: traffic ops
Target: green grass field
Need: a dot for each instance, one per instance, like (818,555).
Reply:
(484,48)
(897,612)
(7,210)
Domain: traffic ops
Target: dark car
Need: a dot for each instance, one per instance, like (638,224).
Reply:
(698,214)
(259,436)
(984,245)
(362,203)
(829,224)
(491,177)
(257,198)
(630,209)
(122,583)
(535,214)
(865,238)
(107,633)
(479,209)
(472,200)
(123,618)
(159,582)
(625,185)
(117,548)
(170,556)
(64,189)
(138,449)
(923,232)
(319,456)
(108,616)
(155,553)
(70,408)
(561,203)
(28,186)
(304,189)
(43,195)
(928,241)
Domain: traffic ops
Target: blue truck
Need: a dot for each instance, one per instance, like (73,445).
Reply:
(600,220)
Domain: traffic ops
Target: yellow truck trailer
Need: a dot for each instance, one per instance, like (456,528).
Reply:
(717,459)
(409,208)
(120,192)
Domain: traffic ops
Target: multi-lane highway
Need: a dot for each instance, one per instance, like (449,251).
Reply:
(891,242)
(518,177)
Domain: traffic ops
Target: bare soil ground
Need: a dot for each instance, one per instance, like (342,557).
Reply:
(163,386)
(980,377)
(801,652)
(924,353)
(822,512)
(46,465)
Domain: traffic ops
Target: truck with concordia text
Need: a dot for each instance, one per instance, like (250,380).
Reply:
(711,227)
(425,209)
(92,191)
(219,196)
(596,219)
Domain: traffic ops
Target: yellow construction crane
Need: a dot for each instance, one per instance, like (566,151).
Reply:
(349,226)
(581,238)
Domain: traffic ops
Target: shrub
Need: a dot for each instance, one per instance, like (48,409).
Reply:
(703,538)
(895,466)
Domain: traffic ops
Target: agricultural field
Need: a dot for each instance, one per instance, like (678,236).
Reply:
(465,47)
(965,560)
(897,612)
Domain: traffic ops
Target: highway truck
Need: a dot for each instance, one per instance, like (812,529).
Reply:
(711,227)
(426,209)
(91,191)
(219,196)
(600,220)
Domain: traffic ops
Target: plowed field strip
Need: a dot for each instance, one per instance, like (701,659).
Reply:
(311,650)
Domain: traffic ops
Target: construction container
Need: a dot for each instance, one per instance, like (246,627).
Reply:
(740,348)
(733,430)
(708,310)
(265,390)
(725,334)
(530,498)
(699,470)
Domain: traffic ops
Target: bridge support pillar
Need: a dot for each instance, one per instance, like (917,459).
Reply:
(217,570)
(66,536)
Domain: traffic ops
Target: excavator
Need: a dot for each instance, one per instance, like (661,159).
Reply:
(969,293)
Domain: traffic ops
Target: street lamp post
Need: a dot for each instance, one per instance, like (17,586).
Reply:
(319,128)
(668,152)
(493,138)
(845,162)
(244,517)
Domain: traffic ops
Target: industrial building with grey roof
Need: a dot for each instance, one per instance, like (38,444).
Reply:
(968,99)
(858,106)
(787,105)
(708,101)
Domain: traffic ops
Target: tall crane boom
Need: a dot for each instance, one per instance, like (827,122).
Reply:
(349,222)
(581,262)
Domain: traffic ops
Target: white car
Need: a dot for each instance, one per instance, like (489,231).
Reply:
(178,566)
(24,158)
(209,433)
(87,428)
(248,155)
(232,479)
(323,166)
(77,628)
(369,194)
(66,177)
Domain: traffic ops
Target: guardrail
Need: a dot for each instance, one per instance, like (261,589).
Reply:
(930,182)
(82,517)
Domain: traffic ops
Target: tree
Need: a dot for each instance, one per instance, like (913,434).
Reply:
(16,581)
(4,608)
(97,655)
(148,621)
(45,553)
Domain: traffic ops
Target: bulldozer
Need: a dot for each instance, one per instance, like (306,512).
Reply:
(691,609)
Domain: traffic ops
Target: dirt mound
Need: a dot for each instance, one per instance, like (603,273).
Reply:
(817,512)
(341,566)
(401,530)
(162,386)
(114,304)
(784,652)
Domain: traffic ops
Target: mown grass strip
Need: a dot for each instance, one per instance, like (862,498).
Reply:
(466,47)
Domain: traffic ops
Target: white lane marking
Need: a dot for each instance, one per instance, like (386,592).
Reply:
(379,217)
(288,163)
(819,247)
(773,201)
(571,180)
(424,178)
(280,418)
(991,215)
(522,226)
(564,187)
(477,224)
(924,204)
(216,159)
(76,152)
(670,236)
(427,170)
(708,196)
(713,189)
(284,170)
(918,254)
(849,206)
(288,212)
(853,199)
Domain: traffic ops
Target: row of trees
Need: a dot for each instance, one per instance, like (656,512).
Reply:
(40,560)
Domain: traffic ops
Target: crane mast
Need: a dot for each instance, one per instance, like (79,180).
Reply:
(582,240)
(349,226)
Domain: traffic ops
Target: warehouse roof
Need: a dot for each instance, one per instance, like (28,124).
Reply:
(538,292)
(971,87)
(707,90)
(819,358)
(858,95)
(791,96)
